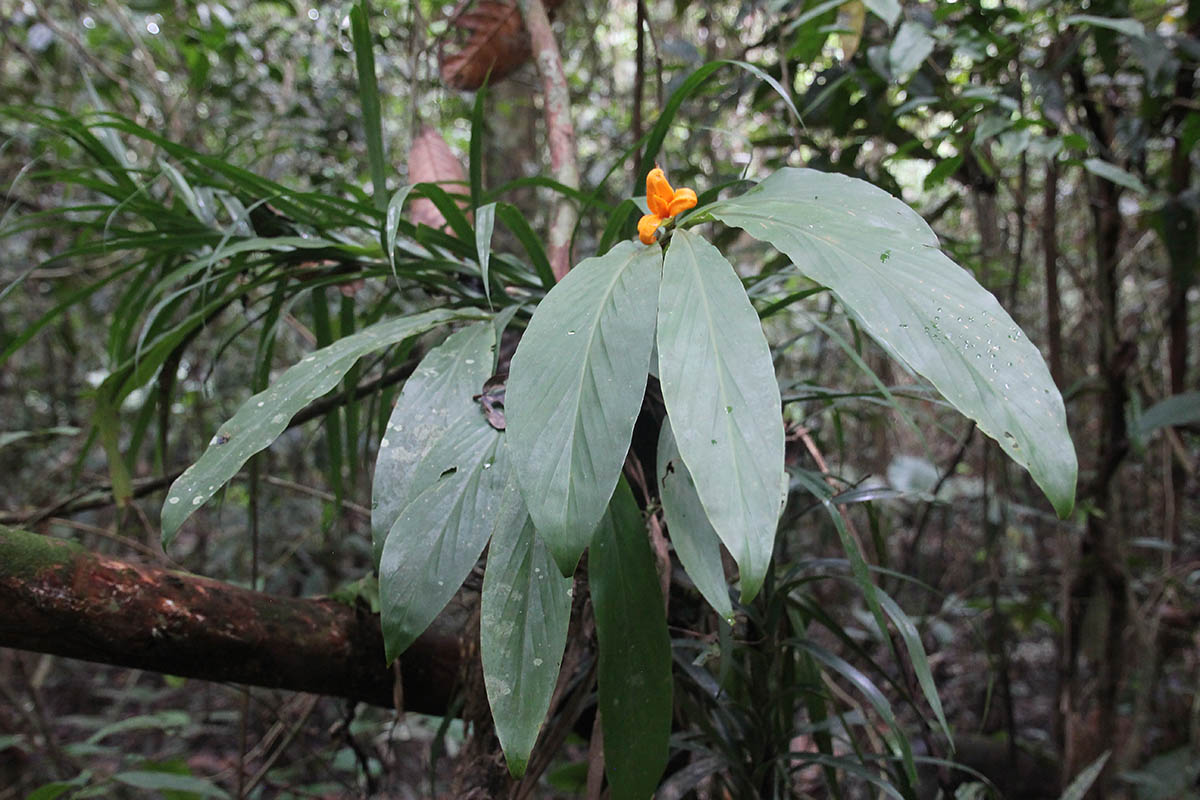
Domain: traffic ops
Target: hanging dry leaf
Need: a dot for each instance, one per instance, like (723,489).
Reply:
(430,160)
(851,18)
(487,37)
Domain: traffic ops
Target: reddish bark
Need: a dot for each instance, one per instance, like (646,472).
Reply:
(58,598)
(560,133)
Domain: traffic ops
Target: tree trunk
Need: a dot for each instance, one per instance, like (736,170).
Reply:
(59,598)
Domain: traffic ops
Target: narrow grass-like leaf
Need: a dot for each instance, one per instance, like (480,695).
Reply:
(1083,781)
(1179,409)
(634,668)
(619,226)
(391,224)
(475,163)
(663,124)
(692,535)
(859,568)
(265,415)
(441,533)
(574,391)
(719,387)
(485,223)
(884,264)
(516,223)
(436,402)
(368,94)
(169,782)
(918,659)
(524,612)
(897,738)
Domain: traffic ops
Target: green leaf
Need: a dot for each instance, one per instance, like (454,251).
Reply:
(575,389)
(634,668)
(159,720)
(524,612)
(391,224)
(1084,780)
(169,782)
(49,791)
(368,93)
(888,10)
(692,535)
(1179,409)
(1114,174)
(435,404)
(883,263)
(475,166)
(897,738)
(485,223)
(917,657)
(440,535)
(941,171)
(719,387)
(265,415)
(516,223)
(909,49)
(1125,25)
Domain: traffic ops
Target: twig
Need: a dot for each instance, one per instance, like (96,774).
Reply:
(312,491)
(811,446)
(310,703)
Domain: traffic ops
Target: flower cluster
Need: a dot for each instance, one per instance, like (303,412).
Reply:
(664,203)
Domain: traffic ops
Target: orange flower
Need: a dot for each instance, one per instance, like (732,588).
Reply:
(664,203)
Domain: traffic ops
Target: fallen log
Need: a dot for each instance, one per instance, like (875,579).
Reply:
(59,598)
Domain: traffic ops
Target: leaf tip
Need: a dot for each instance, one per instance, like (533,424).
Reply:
(516,764)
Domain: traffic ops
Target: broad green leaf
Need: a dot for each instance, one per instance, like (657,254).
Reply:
(692,535)
(524,612)
(265,415)
(1114,174)
(634,668)
(884,264)
(719,387)
(440,534)
(909,49)
(436,403)
(169,782)
(574,391)
(1125,25)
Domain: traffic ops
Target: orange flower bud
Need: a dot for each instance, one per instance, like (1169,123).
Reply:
(663,202)
(682,201)
(658,192)
(648,227)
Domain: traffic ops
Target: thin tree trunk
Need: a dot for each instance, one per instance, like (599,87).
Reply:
(1050,262)
(560,133)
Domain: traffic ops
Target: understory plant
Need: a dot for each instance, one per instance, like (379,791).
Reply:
(529,464)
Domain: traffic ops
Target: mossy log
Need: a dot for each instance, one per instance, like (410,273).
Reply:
(58,598)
